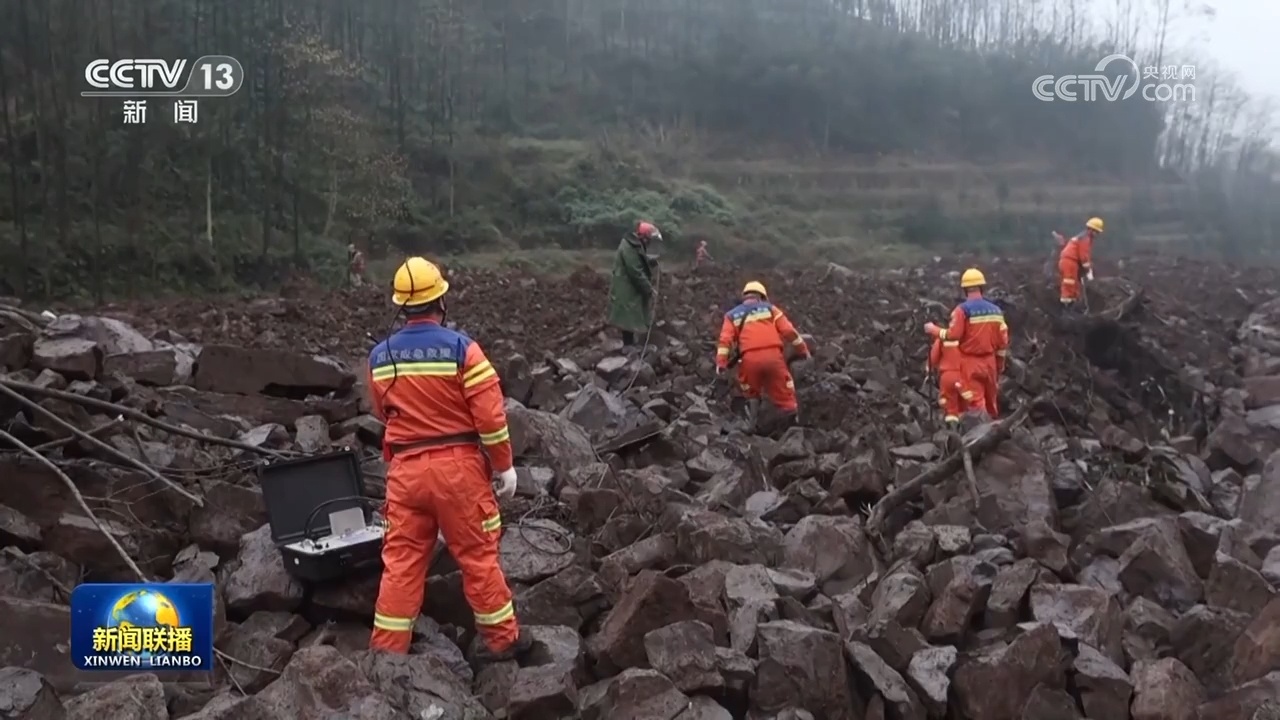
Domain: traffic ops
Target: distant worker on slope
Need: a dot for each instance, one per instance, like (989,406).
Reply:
(953,393)
(753,336)
(446,432)
(632,294)
(1075,262)
(355,266)
(702,256)
(978,325)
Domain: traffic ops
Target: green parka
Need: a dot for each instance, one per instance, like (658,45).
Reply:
(631,291)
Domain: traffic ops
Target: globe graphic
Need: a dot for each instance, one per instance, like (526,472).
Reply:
(144,609)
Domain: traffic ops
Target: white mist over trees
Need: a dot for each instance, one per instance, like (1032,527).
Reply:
(461,124)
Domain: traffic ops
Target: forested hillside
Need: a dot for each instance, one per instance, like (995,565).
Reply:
(452,125)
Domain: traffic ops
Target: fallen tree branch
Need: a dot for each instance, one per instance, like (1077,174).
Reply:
(23,558)
(35,319)
(55,444)
(237,661)
(132,462)
(84,506)
(135,415)
(577,334)
(996,433)
(115,544)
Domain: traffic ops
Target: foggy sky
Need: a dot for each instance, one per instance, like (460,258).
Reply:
(1242,39)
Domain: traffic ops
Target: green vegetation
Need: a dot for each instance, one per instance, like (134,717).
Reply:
(779,130)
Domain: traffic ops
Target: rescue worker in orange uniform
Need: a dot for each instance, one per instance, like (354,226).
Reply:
(978,325)
(752,335)
(446,433)
(1075,262)
(946,361)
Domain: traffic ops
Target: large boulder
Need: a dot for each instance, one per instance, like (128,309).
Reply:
(250,371)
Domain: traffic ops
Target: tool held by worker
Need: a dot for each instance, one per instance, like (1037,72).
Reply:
(1075,264)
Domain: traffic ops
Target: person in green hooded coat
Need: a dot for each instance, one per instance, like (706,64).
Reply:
(631,292)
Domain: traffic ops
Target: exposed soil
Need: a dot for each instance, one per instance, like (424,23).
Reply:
(1176,339)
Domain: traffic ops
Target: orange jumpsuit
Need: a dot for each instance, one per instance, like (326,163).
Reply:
(759,328)
(1075,260)
(953,393)
(446,434)
(978,325)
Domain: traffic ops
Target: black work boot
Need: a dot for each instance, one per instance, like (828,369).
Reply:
(953,434)
(520,647)
(972,419)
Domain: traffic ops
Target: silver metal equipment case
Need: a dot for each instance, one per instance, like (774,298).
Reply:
(320,520)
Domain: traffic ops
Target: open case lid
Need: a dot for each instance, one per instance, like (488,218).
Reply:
(293,489)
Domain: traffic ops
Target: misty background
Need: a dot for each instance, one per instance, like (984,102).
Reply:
(537,131)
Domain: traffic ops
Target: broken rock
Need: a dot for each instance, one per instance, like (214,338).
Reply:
(251,371)
(1165,690)
(1104,687)
(898,696)
(996,683)
(686,653)
(259,580)
(635,694)
(930,674)
(803,667)
(137,697)
(26,695)
(651,601)
(834,549)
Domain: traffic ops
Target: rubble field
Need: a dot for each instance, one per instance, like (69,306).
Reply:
(1109,549)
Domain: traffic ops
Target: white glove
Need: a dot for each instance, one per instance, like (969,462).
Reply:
(506,485)
(1089,276)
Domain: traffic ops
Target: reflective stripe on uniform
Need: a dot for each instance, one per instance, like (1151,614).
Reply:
(981,319)
(1068,281)
(501,615)
(418,369)
(492,523)
(393,624)
(478,374)
(951,343)
(765,313)
(951,418)
(500,435)
(722,351)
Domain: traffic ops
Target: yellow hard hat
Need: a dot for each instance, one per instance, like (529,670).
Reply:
(756,287)
(1094,224)
(972,278)
(418,281)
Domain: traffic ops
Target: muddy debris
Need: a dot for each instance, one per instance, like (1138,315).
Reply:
(1115,554)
